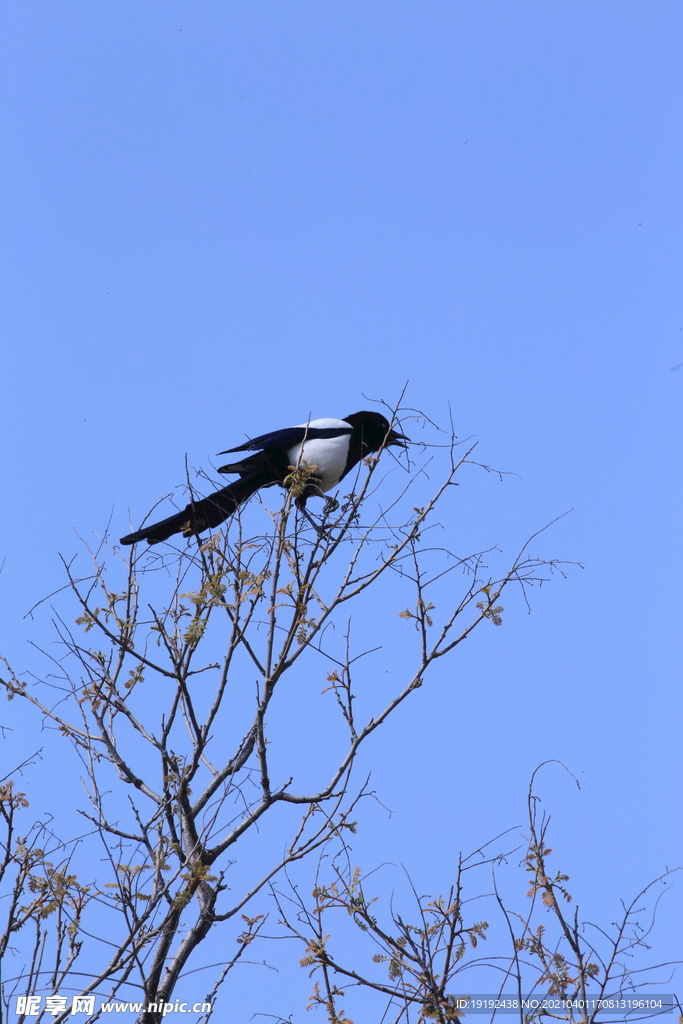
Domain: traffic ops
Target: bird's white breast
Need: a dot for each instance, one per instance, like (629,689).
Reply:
(329,454)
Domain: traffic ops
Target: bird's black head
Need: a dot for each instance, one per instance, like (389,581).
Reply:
(375,430)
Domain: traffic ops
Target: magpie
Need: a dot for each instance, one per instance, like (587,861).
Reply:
(326,450)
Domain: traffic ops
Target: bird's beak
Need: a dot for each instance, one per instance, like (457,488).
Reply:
(400,440)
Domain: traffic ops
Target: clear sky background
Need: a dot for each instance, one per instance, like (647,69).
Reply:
(219,217)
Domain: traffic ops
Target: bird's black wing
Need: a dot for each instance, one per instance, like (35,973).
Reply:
(287,438)
(270,463)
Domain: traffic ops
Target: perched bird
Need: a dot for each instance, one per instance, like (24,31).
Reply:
(326,450)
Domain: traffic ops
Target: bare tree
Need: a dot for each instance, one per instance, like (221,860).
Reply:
(554,965)
(173,688)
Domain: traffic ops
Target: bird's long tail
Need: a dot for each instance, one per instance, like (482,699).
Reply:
(202,514)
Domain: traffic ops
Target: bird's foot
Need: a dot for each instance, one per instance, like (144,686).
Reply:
(331,505)
(319,529)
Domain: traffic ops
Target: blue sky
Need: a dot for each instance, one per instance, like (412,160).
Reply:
(218,218)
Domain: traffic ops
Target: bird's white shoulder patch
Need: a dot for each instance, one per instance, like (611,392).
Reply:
(325,422)
(328,454)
